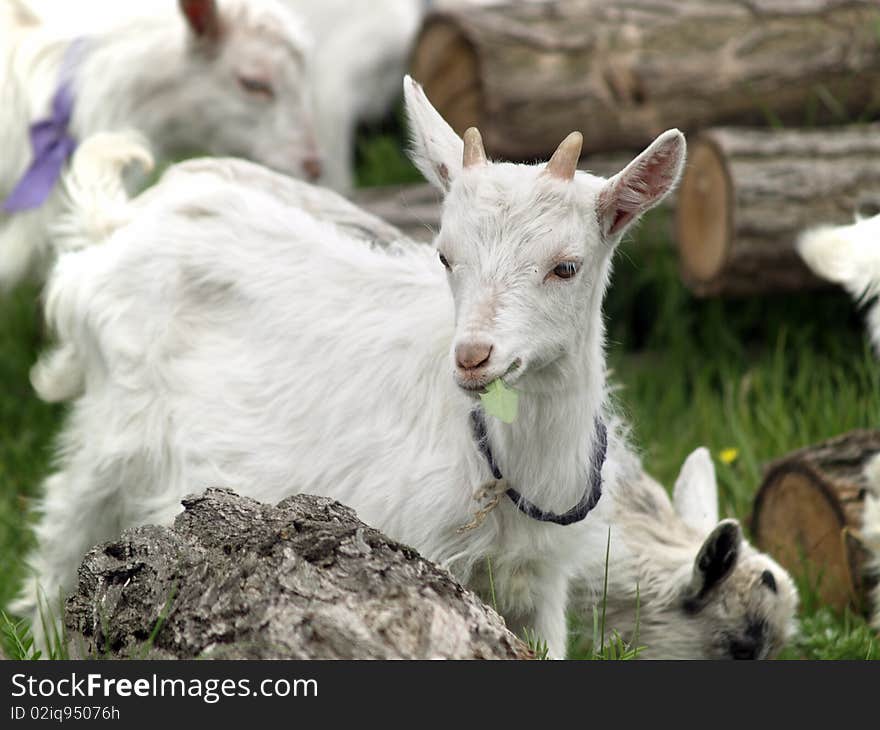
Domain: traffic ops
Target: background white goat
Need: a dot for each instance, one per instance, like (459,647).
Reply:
(850,256)
(228,338)
(699,590)
(357,66)
(225,77)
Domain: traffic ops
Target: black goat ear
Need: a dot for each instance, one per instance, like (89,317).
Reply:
(716,559)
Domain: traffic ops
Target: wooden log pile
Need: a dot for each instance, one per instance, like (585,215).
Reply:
(528,73)
(808,515)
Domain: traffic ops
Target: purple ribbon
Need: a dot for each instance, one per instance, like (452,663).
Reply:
(51,143)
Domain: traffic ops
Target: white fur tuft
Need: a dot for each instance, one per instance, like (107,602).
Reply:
(850,256)
(96,201)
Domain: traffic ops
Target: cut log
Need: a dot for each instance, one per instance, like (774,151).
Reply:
(236,579)
(808,511)
(527,74)
(746,195)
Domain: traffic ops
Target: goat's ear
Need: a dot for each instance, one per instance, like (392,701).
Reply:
(642,184)
(695,496)
(437,151)
(203,18)
(716,559)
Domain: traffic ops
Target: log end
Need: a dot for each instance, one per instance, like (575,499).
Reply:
(799,520)
(704,215)
(446,64)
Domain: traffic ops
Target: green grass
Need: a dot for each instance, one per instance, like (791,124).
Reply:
(26,428)
(763,376)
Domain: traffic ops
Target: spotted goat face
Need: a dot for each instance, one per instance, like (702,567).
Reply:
(738,603)
(742,601)
(527,248)
(247,82)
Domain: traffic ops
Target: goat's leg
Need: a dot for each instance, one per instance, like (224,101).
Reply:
(548,619)
(533,605)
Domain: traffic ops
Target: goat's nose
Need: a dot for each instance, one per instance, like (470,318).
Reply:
(472,355)
(313,167)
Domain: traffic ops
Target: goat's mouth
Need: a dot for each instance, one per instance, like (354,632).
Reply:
(474,384)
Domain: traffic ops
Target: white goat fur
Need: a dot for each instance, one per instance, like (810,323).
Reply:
(850,256)
(227,338)
(358,69)
(654,574)
(154,74)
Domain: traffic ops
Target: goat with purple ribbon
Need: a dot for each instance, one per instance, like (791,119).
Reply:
(225,77)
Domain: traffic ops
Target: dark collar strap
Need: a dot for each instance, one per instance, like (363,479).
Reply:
(591,495)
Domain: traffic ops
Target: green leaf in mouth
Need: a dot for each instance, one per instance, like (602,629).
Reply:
(500,401)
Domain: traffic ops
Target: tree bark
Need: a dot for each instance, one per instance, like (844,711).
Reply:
(236,579)
(808,511)
(527,74)
(747,194)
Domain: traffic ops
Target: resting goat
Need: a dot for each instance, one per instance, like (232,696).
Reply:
(227,338)
(698,589)
(226,77)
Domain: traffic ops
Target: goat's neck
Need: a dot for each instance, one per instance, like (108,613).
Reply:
(546,453)
(108,99)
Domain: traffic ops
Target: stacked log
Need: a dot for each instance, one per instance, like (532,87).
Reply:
(747,194)
(527,74)
(808,515)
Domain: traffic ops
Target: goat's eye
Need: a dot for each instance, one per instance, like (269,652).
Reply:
(566,269)
(768,580)
(444,261)
(256,87)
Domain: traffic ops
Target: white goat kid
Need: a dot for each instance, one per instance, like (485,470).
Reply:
(227,77)
(699,590)
(228,338)
(850,256)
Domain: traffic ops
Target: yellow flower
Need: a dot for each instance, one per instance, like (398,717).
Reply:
(728,456)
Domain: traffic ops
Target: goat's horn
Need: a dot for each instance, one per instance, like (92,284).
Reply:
(564,161)
(474,154)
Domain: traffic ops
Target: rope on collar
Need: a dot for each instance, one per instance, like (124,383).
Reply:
(591,494)
(51,142)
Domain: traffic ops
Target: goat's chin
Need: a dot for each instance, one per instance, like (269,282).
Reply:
(472,391)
